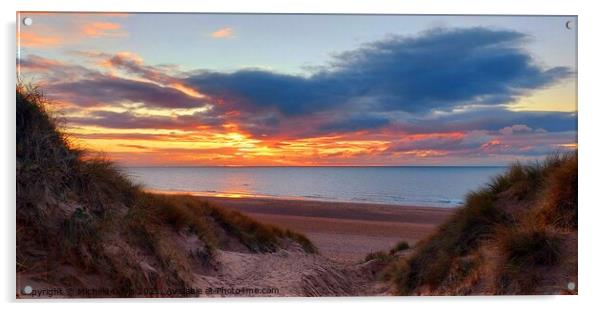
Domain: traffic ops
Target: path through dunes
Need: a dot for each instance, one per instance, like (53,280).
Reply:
(293,272)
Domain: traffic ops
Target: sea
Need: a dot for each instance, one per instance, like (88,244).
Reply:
(437,186)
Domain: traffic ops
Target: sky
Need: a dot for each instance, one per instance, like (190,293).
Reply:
(237,90)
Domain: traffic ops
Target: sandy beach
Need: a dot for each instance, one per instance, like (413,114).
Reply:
(344,232)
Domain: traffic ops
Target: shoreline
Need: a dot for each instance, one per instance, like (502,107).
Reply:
(225,195)
(344,232)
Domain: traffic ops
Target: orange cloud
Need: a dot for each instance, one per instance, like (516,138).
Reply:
(493,145)
(226,32)
(425,153)
(27,39)
(186,90)
(101,29)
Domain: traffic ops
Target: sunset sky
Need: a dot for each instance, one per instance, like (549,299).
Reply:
(215,89)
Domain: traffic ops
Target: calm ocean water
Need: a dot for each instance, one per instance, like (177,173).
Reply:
(425,186)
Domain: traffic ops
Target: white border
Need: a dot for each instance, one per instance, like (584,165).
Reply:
(590,102)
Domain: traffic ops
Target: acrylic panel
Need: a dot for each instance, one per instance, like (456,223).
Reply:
(269,155)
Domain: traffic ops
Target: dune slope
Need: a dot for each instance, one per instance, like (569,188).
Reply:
(518,235)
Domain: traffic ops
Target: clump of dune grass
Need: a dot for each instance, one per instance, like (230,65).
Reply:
(523,250)
(400,246)
(517,213)
(379,255)
(257,237)
(434,257)
(529,247)
(104,183)
(41,151)
(383,256)
(558,205)
(78,210)
(179,211)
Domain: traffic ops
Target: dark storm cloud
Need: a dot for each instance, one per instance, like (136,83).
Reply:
(252,89)
(440,69)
